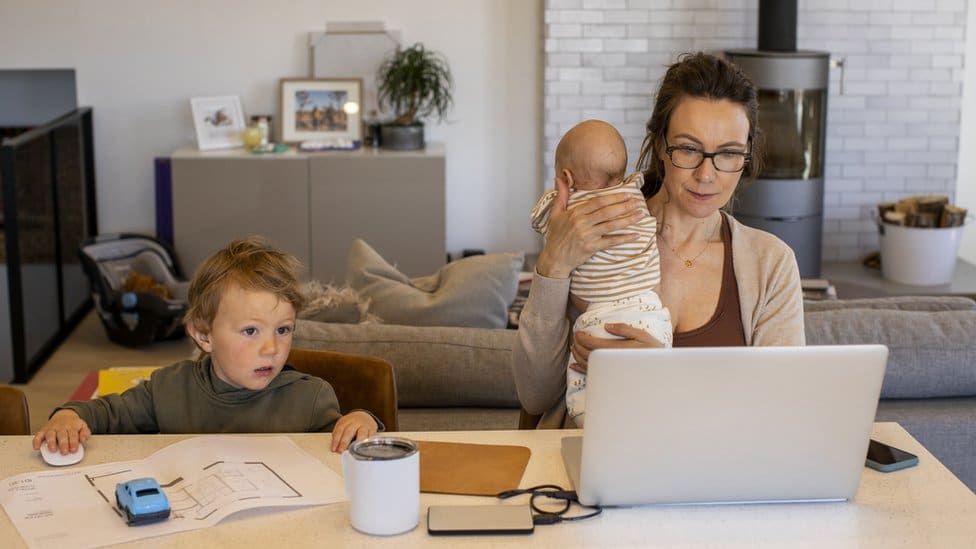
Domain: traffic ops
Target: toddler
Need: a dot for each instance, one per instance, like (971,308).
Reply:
(243,302)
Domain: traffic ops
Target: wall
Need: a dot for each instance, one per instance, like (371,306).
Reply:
(966,183)
(138,63)
(893,130)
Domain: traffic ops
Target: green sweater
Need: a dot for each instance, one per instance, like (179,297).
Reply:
(188,398)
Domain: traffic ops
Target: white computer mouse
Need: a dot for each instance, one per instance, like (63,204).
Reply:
(57,459)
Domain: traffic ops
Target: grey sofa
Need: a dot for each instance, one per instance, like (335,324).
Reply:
(460,378)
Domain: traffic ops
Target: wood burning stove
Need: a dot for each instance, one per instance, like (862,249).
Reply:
(787,197)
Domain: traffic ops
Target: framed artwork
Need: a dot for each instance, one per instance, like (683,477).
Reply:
(219,122)
(321,109)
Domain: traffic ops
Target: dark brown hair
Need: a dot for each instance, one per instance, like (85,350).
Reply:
(250,263)
(702,76)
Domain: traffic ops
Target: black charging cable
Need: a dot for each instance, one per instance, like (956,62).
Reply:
(552,492)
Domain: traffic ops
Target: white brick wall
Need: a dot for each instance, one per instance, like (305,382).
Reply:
(893,132)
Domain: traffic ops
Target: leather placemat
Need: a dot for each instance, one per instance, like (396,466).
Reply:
(470,469)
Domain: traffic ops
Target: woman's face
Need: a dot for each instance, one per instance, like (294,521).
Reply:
(709,126)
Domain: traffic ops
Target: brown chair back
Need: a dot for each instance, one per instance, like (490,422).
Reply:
(362,382)
(14,415)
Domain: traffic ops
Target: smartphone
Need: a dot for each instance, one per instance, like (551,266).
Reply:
(886,458)
(455,520)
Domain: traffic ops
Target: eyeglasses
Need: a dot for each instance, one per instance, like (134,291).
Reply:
(688,157)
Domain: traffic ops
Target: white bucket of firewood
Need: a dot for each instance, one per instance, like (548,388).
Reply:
(919,256)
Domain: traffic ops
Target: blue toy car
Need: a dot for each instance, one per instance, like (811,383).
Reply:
(142,501)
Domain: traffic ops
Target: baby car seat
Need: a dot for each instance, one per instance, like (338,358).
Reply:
(137,285)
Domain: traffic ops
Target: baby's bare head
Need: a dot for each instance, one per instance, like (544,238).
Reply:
(591,155)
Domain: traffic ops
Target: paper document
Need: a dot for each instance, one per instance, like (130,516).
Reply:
(205,478)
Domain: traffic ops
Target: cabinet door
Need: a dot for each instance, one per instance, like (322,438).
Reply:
(218,199)
(394,202)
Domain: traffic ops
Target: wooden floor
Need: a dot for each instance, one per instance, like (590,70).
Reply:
(88,348)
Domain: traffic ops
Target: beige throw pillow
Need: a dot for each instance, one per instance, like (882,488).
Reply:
(471,292)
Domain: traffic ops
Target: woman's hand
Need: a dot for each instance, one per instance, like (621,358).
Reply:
(574,236)
(633,338)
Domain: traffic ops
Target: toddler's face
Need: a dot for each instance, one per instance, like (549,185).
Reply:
(250,337)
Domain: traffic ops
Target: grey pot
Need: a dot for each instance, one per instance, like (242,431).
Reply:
(402,138)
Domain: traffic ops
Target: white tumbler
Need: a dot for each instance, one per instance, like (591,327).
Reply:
(382,476)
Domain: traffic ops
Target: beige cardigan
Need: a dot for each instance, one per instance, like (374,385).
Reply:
(769,295)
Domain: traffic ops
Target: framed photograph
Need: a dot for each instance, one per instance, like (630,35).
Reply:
(219,122)
(321,109)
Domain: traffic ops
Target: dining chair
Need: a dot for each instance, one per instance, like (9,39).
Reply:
(14,414)
(360,382)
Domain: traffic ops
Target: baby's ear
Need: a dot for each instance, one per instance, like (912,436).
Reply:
(566,177)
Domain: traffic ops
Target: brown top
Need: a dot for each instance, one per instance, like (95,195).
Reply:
(724,329)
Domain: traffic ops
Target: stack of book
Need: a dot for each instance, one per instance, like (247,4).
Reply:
(817,289)
(117,380)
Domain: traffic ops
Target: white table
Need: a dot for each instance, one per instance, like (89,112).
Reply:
(925,506)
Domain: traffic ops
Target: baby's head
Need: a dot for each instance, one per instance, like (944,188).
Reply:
(591,155)
(243,301)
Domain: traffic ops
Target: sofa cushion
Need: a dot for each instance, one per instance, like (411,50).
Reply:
(932,353)
(434,366)
(945,426)
(470,292)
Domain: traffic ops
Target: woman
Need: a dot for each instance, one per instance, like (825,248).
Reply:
(725,284)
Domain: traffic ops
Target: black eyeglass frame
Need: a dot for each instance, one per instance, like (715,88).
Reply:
(669,149)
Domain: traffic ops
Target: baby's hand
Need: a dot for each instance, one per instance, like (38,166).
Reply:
(356,425)
(63,432)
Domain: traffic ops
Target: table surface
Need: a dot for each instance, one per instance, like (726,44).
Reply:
(924,506)
(854,280)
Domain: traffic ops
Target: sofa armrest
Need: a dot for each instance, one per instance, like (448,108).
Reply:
(435,366)
(932,352)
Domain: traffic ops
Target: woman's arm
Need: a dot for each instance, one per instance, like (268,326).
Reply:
(770,297)
(542,345)
(780,319)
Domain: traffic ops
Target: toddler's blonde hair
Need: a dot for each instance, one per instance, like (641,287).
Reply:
(250,263)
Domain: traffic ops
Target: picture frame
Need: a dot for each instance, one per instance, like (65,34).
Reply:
(321,109)
(219,121)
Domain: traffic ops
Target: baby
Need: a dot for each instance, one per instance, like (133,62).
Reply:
(243,302)
(618,284)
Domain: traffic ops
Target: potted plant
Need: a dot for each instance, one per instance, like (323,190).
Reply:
(415,83)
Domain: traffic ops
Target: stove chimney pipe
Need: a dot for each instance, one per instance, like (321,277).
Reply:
(777,25)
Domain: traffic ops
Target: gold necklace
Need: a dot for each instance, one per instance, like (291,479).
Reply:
(689,263)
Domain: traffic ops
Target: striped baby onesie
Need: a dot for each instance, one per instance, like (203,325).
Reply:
(619,284)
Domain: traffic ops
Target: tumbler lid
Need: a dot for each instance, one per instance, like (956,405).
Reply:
(382,448)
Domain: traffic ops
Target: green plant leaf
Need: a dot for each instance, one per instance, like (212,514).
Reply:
(415,83)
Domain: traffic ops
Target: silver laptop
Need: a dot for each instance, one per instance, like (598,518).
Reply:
(725,425)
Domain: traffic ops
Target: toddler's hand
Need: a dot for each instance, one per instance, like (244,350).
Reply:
(356,425)
(63,432)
